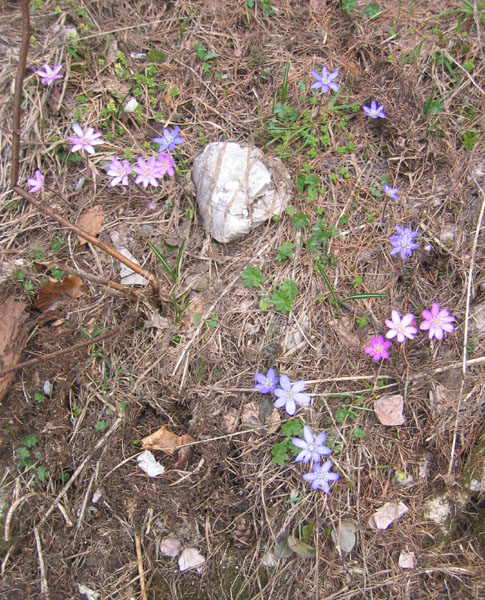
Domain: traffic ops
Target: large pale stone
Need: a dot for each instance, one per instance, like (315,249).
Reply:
(238,189)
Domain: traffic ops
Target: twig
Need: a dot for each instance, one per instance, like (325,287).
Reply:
(44,588)
(45,357)
(139,562)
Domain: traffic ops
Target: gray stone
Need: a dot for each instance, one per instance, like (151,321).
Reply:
(238,189)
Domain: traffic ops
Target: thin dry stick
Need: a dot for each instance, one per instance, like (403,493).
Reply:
(139,561)
(44,588)
(45,357)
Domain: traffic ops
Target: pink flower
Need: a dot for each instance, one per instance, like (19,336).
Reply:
(401,328)
(36,182)
(119,171)
(49,75)
(437,321)
(84,139)
(148,171)
(166,164)
(377,348)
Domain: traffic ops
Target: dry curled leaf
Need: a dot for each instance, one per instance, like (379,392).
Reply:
(161,439)
(191,559)
(170,546)
(90,221)
(51,292)
(12,339)
(185,453)
(389,410)
(387,514)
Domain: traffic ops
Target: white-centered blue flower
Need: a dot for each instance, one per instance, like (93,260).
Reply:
(312,447)
(290,395)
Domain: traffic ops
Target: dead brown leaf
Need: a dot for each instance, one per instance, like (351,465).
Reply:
(90,221)
(50,293)
(161,439)
(12,339)
(185,453)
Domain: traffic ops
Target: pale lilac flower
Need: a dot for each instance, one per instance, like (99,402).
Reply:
(377,348)
(36,182)
(288,395)
(401,328)
(321,475)
(403,242)
(119,171)
(49,74)
(325,81)
(85,139)
(147,171)
(375,112)
(312,448)
(266,383)
(169,140)
(165,164)
(390,192)
(437,322)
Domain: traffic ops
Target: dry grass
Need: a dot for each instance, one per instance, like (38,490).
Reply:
(233,503)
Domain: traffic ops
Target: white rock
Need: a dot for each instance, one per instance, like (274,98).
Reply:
(237,189)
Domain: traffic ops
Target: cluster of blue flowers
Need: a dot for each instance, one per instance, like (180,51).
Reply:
(288,395)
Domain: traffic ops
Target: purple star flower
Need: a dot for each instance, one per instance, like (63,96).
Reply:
(325,81)
(165,164)
(85,139)
(401,328)
(403,242)
(390,192)
(169,140)
(119,171)
(321,475)
(36,182)
(375,112)
(312,448)
(289,395)
(377,348)
(49,75)
(437,322)
(266,383)
(148,171)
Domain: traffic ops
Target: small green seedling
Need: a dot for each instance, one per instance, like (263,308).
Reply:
(281,450)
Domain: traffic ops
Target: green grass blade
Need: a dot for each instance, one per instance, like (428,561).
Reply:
(319,269)
(284,87)
(179,258)
(362,297)
(166,267)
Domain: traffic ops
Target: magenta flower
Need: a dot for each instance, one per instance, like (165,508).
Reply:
(403,242)
(166,164)
(437,322)
(169,140)
(119,171)
(390,192)
(377,348)
(85,139)
(401,328)
(49,75)
(325,81)
(36,182)
(289,395)
(266,383)
(148,171)
(320,476)
(312,447)
(375,112)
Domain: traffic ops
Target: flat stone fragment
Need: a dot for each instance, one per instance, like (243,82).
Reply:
(238,189)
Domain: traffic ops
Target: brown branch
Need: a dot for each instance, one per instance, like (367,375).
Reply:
(74,348)
(17,97)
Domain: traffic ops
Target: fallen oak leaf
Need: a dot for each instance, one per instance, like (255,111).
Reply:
(12,339)
(50,293)
(387,514)
(389,410)
(185,453)
(161,439)
(90,221)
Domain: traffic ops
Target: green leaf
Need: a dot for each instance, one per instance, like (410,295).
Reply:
(22,453)
(280,455)
(282,302)
(101,426)
(307,530)
(264,304)
(38,397)
(372,11)
(196,318)
(42,473)
(19,274)
(285,251)
(348,6)
(252,277)
(300,220)
(289,288)
(212,322)
(300,548)
(30,441)
(292,429)
(155,56)
(358,433)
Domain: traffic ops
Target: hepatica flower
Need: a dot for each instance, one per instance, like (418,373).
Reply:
(119,171)
(290,395)
(378,348)
(147,171)
(169,140)
(437,322)
(85,139)
(165,164)
(325,81)
(391,192)
(266,383)
(321,476)
(49,74)
(36,182)
(403,242)
(375,112)
(401,328)
(312,448)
